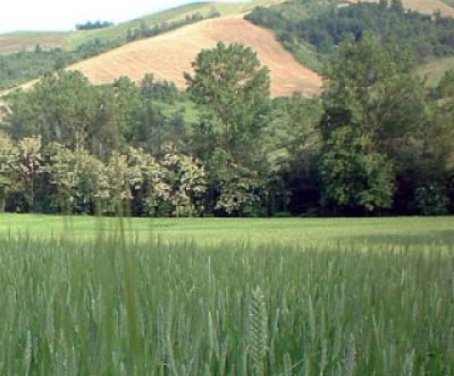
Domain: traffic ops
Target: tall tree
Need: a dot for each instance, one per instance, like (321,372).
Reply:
(374,103)
(62,107)
(27,165)
(7,155)
(231,83)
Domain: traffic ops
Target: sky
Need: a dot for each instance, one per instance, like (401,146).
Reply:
(24,15)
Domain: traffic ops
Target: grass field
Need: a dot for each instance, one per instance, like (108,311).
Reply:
(238,297)
(435,70)
(209,231)
(27,41)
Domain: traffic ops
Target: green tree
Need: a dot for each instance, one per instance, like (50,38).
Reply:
(236,190)
(397,6)
(77,176)
(186,179)
(148,182)
(26,167)
(372,90)
(353,175)
(61,107)
(8,152)
(126,106)
(231,83)
(117,185)
(291,141)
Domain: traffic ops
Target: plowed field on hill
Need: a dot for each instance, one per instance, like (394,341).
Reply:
(167,56)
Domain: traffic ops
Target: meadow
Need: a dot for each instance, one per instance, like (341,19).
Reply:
(87,296)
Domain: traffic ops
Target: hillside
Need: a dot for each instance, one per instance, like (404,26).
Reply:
(26,41)
(167,56)
(435,70)
(422,6)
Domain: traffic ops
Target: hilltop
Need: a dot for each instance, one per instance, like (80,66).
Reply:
(108,53)
(167,56)
(27,40)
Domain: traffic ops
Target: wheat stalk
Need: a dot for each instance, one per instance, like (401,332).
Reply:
(258,332)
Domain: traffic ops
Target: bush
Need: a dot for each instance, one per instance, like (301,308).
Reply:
(431,200)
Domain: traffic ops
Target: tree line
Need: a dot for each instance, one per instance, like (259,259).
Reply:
(424,35)
(89,25)
(147,31)
(376,141)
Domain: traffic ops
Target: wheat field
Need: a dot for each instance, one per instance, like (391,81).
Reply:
(113,304)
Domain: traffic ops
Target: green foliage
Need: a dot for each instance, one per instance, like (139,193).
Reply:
(94,25)
(20,67)
(236,188)
(25,168)
(291,138)
(78,178)
(7,153)
(353,175)
(223,148)
(185,178)
(424,35)
(231,83)
(379,108)
(61,107)
(431,200)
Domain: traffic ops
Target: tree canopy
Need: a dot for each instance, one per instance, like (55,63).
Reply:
(230,82)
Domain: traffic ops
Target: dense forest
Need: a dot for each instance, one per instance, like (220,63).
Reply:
(377,141)
(424,36)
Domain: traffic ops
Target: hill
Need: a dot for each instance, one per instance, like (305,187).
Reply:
(20,63)
(422,6)
(167,56)
(434,70)
(426,38)
(26,41)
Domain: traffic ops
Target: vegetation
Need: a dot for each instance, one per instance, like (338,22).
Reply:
(20,67)
(112,305)
(425,36)
(378,141)
(27,40)
(94,25)
(94,38)
(436,69)
(145,31)
(398,231)
(276,296)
